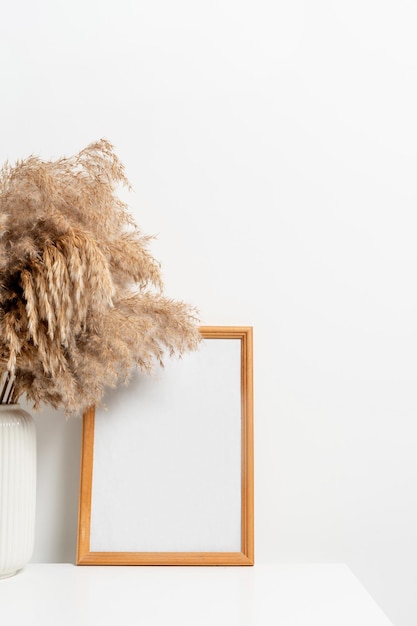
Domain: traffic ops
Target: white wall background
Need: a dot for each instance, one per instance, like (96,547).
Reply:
(272,146)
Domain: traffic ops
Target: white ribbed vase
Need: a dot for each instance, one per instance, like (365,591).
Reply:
(17,488)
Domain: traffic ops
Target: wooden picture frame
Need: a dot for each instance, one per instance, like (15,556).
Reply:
(218,383)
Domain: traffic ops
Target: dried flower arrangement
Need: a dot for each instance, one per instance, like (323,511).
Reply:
(81,298)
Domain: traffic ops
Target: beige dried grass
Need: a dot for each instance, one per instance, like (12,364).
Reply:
(81,298)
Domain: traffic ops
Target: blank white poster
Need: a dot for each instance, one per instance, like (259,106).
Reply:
(167,458)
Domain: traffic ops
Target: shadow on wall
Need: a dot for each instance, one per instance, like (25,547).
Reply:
(58,447)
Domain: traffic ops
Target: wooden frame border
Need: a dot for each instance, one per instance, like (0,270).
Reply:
(246,555)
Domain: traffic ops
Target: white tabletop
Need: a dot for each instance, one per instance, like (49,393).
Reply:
(282,595)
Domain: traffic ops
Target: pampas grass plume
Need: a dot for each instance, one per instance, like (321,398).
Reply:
(81,297)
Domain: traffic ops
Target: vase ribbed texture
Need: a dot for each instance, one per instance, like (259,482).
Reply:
(17,488)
